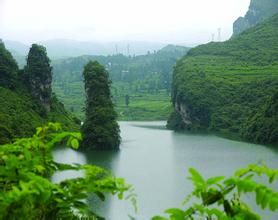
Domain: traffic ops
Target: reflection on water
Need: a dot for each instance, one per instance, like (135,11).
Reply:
(67,156)
(155,161)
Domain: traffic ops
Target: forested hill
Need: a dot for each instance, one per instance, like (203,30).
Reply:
(145,78)
(122,68)
(231,86)
(26,100)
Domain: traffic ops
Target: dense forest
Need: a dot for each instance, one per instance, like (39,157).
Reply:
(231,87)
(26,97)
(146,79)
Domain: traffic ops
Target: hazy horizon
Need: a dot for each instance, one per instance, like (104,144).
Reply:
(182,22)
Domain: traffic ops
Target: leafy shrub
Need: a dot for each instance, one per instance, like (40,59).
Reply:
(26,191)
(221,198)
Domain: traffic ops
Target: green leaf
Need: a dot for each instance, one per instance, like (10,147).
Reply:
(214,180)
(273,203)
(265,199)
(175,213)
(260,194)
(272,177)
(197,179)
(100,195)
(159,218)
(74,143)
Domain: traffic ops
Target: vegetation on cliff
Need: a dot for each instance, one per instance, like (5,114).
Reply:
(224,86)
(100,129)
(38,75)
(23,108)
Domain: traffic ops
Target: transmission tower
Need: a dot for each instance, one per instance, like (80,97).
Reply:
(128,47)
(219,34)
(212,37)
(116,49)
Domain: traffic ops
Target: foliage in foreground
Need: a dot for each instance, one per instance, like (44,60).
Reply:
(26,191)
(221,198)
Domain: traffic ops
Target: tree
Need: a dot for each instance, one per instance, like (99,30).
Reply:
(38,74)
(127,100)
(8,68)
(100,129)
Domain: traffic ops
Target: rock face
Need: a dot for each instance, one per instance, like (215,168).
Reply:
(41,90)
(39,75)
(184,112)
(258,11)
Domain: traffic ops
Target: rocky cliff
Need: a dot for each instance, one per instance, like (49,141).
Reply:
(38,73)
(259,10)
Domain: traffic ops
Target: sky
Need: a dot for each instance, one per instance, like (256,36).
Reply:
(165,21)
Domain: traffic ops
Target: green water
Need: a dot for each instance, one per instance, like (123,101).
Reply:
(155,161)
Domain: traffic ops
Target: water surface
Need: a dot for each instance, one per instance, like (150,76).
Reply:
(155,161)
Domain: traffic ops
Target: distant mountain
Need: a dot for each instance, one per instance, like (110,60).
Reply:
(258,11)
(63,48)
(18,50)
(16,47)
(140,66)
(140,74)
(71,48)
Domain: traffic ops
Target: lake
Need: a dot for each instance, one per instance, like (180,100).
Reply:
(156,161)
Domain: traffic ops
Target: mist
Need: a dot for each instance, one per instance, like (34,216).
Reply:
(177,21)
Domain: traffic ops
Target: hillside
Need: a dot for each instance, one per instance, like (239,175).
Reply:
(20,112)
(258,11)
(146,79)
(231,87)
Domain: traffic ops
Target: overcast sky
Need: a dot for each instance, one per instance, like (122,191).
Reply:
(168,21)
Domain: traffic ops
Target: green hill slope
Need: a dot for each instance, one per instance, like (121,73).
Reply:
(228,86)
(20,113)
(146,79)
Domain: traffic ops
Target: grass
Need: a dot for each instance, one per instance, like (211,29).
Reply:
(144,107)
